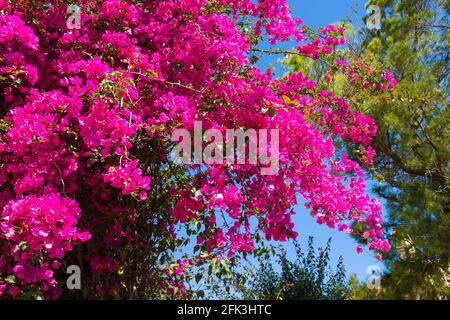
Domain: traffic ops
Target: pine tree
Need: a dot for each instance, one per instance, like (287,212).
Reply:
(412,142)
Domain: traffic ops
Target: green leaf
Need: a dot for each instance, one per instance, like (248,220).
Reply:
(271,111)
(11,279)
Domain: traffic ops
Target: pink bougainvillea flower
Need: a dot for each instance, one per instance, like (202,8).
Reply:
(86,120)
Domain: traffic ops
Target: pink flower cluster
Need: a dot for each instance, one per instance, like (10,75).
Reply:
(36,231)
(128,178)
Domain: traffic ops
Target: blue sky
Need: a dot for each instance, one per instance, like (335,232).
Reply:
(318,13)
(315,14)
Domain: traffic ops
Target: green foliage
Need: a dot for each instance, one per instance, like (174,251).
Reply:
(308,277)
(412,142)
(360,291)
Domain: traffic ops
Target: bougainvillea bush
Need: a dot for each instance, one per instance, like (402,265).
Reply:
(86,117)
